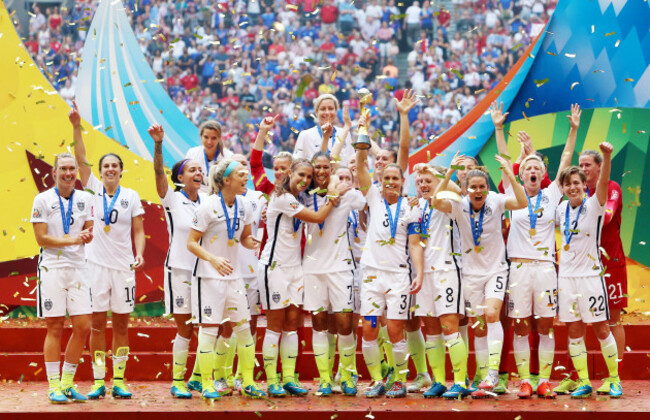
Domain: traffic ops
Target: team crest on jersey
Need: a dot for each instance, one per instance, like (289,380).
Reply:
(207,311)
(254,204)
(195,220)
(294,205)
(545,199)
(488,211)
(180,301)
(124,203)
(36,214)
(48,304)
(276,297)
(81,205)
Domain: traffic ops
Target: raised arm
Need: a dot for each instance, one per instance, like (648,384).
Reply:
(157,133)
(603,180)
(327,130)
(408,102)
(519,201)
(443,204)
(363,174)
(498,118)
(79,147)
(570,145)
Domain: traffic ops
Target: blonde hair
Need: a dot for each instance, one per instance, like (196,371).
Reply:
(528,158)
(63,156)
(324,96)
(284,155)
(216,175)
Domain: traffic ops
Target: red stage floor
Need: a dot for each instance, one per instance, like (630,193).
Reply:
(152,400)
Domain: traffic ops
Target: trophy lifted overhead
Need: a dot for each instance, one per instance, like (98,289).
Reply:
(363,140)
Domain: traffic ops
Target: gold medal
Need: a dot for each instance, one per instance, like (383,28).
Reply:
(566,247)
(477,249)
(231,242)
(391,241)
(356,239)
(320,232)
(107,228)
(532,231)
(295,235)
(424,241)
(67,235)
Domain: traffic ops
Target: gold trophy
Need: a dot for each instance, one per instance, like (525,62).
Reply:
(363,139)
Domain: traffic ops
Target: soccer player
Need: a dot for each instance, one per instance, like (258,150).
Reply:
(281,161)
(63,224)
(211,150)
(280,274)
(111,263)
(440,302)
(613,258)
(531,248)
(221,224)
(393,235)
(484,266)
(179,203)
(582,295)
(328,269)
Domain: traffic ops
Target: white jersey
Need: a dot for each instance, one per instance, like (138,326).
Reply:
(282,247)
(254,200)
(583,256)
(492,256)
(47,209)
(330,252)
(179,212)
(210,220)
(113,249)
(309,142)
(356,233)
(378,252)
(198,154)
(441,246)
(541,246)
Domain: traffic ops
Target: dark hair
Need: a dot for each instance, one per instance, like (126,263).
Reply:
(598,158)
(317,155)
(212,125)
(101,160)
(477,173)
(394,153)
(393,165)
(282,187)
(567,172)
(176,171)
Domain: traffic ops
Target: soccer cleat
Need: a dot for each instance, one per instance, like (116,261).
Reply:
(275,390)
(534,381)
(72,394)
(488,383)
(375,390)
(525,390)
(294,388)
(324,390)
(397,391)
(544,391)
(120,391)
(336,388)
(584,390)
(236,384)
(456,392)
(209,393)
(502,386)
(481,394)
(422,380)
(475,383)
(97,390)
(56,396)
(567,386)
(604,388)
(435,391)
(221,386)
(195,386)
(349,388)
(179,390)
(253,391)
(615,388)
(390,378)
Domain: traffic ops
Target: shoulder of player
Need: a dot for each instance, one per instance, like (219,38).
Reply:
(194,152)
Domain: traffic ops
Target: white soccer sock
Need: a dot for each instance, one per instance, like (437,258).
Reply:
(482,355)
(546,355)
(401,361)
(495,344)
(521,349)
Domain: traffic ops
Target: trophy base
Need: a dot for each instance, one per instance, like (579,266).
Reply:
(362,143)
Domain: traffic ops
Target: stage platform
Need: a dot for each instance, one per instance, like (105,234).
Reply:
(152,401)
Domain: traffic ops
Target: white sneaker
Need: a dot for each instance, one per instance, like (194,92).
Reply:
(422,380)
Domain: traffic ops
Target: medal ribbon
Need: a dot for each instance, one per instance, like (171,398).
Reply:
(188,197)
(393,223)
(532,213)
(320,225)
(66,217)
(476,232)
(109,208)
(354,221)
(296,225)
(229,226)
(207,161)
(426,219)
(569,235)
(333,135)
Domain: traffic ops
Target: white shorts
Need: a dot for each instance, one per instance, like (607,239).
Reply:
(388,290)
(60,290)
(216,301)
(280,286)
(441,294)
(111,289)
(533,290)
(253,295)
(329,291)
(356,288)
(477,289)
(582,299)
(178,291)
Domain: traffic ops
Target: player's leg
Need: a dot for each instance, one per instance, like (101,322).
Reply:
(180,351)
(435,350)
(546,355)
(52,356)
(396,329)
(289,350)
(331,340)
(494,336)
(371,352)
(457,354)
(418,351)
(609,350)
(578,353)
(320,345)
(120,324)
(224,357)
(347,347)
(568,312)
(205,350)
(98,353)
(74,349)
(270,350)
(521,347)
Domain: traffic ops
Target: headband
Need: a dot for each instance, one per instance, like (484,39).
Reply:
(180,168)
(231,166)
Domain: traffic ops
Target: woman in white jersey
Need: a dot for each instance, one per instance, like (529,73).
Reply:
(484,266)
(179,203)
(111,263)
(221,224)
(582,295)
(280,273)
(211,150)
(328,269)
(531,249)
(63,224)
(393,235)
